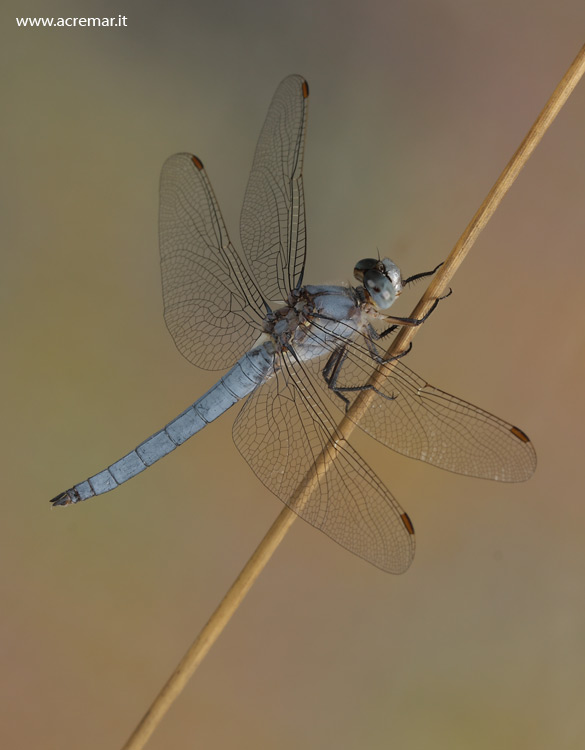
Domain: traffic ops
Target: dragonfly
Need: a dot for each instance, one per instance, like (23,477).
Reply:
(294,351)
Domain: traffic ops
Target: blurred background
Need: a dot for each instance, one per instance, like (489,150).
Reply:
(415,109)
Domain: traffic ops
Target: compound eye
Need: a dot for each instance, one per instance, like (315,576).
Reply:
(367,264)
(379,288)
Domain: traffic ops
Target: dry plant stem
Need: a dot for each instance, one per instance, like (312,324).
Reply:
(275,534)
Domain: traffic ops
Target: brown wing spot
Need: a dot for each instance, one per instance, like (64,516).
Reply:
(305,89)
(407,523)
(197,162)
(517,432)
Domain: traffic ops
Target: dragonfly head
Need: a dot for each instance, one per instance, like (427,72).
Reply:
(381,279)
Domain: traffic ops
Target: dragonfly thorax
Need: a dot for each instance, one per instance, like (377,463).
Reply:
(282,324)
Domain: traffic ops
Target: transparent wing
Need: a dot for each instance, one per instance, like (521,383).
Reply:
(418,420)
(212,308)
(272,224)
(283,431)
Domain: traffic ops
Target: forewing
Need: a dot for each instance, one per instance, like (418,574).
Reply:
(211,306)
(420,421)
(272,224)
(290,441)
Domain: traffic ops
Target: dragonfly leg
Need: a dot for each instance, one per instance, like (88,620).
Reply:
(332,370)
(387,332)
(373,335)
(386,360)
(411,322)
(422,275)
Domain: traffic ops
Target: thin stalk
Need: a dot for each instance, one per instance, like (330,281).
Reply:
(277,531)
